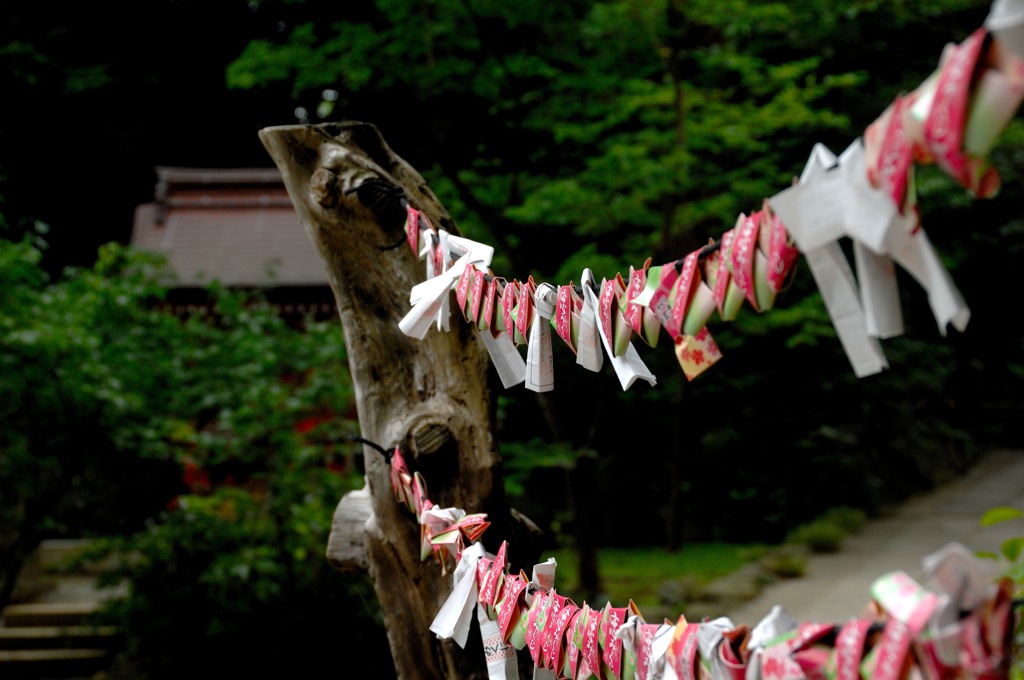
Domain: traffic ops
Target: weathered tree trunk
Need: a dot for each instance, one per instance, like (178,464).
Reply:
(430,396)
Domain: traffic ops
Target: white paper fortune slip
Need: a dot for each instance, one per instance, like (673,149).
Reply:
(882,235)
(454,618)
(1006,21)
(657,668)
(812,211)
(502,663)
(710,636)
(430,297)
(542,580)
(540,376)
(588,350)
(629,367)
(506,358)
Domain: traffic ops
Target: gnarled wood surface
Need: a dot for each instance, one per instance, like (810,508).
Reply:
(430,396)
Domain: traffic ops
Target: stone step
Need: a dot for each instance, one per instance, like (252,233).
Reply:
(52,663)
(79,588)
(48,613)
(57,637)
(57,554)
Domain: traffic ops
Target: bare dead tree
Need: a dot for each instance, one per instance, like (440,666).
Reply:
(430,397)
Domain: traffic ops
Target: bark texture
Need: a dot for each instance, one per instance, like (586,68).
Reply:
(430,397)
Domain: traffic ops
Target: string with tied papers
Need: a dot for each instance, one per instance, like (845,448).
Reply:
(960,624)
(866,194)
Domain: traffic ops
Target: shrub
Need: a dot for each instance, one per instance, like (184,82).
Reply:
(848,518)
(821,535)
(785,561)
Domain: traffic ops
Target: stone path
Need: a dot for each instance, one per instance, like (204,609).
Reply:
(836,586)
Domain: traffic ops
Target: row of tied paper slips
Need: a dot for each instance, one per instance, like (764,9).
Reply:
(960,626)
(866,194)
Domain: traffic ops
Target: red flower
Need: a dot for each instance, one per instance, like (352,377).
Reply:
(195,478)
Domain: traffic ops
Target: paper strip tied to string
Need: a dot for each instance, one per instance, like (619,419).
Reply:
(628,365)
(539,361)
(446,531)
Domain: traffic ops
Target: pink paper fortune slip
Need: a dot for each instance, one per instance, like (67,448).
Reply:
(454,537)
(660,303)
(490,575)
(555,648)
(573,641)
(894,160)
(605,308)
(401,480)
(718,262)
(645,639)
(742,257)
(631,311)
(611,646)
(644,322)
(508,303)
(682,652)
(781,254)
(412,228)
(535,624)
(944,128)
(524,312)
(462,289)
(697,353)
(559,614)
(849,649)
(486,314)
(590,648)
(614,325)
(469,291)
(909,607)
(567,311)
(778,663)
(512,604)
(689,276)
(438,255)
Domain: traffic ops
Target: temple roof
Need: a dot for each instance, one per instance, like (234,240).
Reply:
(236,226)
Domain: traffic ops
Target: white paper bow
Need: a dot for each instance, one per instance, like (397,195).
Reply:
(430,299)
(453,619)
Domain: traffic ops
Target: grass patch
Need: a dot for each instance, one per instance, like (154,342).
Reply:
(637,573)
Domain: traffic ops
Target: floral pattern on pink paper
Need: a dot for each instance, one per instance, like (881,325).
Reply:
(697,353)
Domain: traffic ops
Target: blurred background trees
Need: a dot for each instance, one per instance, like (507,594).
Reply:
(566,134)
(212,449)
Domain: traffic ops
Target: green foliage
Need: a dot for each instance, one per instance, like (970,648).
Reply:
(1011,558)
(211,450)
(1012,548)
(522,458)
(849,519)
(821,535)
